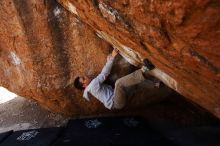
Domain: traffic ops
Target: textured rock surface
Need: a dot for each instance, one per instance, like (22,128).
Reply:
(180,37)
(43,48)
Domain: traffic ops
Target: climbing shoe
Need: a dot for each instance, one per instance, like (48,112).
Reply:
(147,65)
(158,84)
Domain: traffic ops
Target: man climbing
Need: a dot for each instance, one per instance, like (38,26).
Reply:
(111,98)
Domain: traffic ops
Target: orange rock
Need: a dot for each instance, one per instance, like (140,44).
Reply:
(43,48)
(180,37)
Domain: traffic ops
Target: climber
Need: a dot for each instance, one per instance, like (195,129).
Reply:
(111,98)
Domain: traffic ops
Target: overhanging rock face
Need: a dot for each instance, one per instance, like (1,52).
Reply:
(180,37)
(44,46)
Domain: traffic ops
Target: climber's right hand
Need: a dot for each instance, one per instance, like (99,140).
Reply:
(115,52)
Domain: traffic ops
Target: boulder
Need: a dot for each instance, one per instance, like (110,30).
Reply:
(180,37)
(43,48)
(44,45)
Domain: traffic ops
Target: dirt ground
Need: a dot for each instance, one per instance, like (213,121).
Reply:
(21,113)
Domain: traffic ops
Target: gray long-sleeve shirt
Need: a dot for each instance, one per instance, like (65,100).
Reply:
(98,89)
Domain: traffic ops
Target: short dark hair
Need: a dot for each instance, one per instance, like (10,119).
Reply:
(78,84)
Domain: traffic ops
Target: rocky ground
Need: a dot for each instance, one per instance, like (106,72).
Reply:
(21,113)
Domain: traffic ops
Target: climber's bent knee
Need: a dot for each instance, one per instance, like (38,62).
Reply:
(118,106)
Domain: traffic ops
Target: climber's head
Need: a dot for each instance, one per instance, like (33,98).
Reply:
(82,82)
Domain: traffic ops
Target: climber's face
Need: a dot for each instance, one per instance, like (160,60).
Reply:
(85,80)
